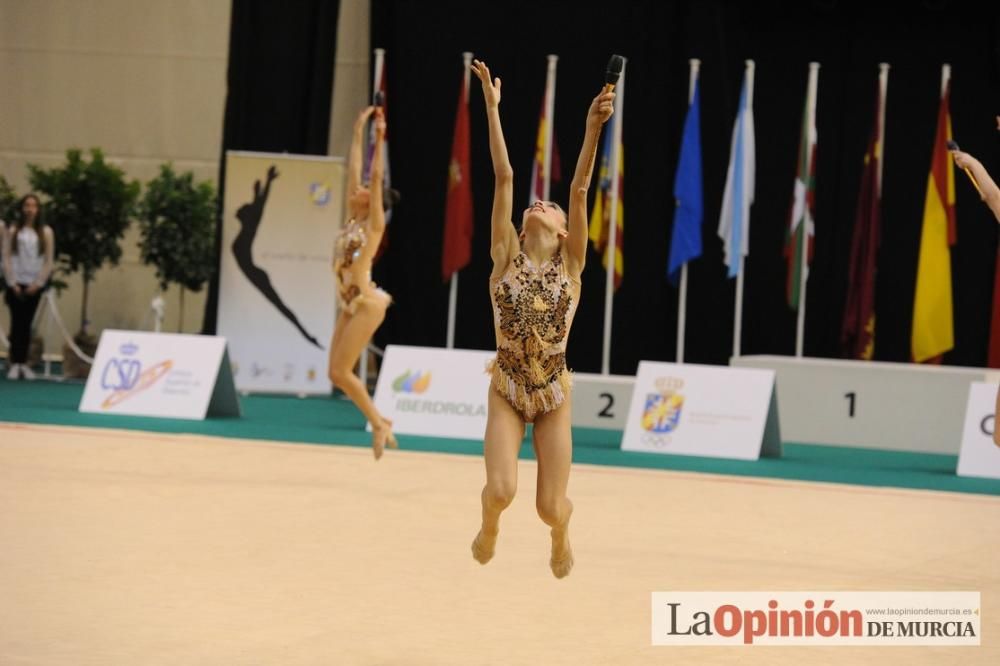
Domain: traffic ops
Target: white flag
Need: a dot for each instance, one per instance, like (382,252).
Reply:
(734,221)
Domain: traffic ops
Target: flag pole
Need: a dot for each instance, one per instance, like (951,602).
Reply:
(694,66)
(807,221)
(609,284)
(453,290)
(377,70)
(550,104)
(738,309)
(883,87)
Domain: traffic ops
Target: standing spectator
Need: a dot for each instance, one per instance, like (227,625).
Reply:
(28,251)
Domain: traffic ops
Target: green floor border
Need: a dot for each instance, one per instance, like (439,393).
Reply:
(331,420)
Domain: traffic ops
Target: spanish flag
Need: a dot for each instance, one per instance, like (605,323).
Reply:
(933,323)
(542,175)
(600,217)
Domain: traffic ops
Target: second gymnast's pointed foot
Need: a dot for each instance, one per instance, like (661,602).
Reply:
(390,439)
(380,436)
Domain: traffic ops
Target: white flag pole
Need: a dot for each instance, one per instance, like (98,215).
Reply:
(738,314)
(807,220)
(694,65)
(377,70)
(453,290)
(609,285)
(883,88)
(550,104)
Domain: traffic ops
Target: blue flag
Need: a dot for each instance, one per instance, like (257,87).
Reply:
(685,241)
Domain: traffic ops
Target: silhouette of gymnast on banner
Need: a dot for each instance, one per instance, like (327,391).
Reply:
(249,215)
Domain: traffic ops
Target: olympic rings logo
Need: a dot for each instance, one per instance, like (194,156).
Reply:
(654,440)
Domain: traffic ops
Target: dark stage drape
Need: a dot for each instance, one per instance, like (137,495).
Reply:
(424,42)
(280,86)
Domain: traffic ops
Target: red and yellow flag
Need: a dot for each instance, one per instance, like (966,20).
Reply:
(538,175)
(600,217)
(933,322)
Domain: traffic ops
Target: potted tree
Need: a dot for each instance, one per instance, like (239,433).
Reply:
(8,200)
(8,204)
(90,205)
(177,221)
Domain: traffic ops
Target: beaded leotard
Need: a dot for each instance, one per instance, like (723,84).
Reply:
(533,308)
(348,248)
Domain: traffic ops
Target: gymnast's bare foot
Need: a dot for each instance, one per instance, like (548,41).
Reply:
(484,546)
(390,439)
(380,435)
(561,561)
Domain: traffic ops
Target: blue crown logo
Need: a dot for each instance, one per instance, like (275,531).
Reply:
(128,348)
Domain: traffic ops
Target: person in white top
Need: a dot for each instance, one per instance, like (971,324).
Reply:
(28,251)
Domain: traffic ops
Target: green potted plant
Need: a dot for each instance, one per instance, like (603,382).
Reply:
(8,204)
(8,200)
(177,221)
(89,204)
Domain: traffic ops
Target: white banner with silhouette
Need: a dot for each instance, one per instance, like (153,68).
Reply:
(276,289)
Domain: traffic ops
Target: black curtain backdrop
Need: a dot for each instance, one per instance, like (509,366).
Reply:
(424,42)
(279,88)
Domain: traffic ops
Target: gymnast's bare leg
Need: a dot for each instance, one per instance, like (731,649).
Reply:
(504,434)
(349,341)
(553,443)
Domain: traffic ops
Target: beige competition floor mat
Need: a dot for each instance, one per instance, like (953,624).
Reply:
(126,548)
